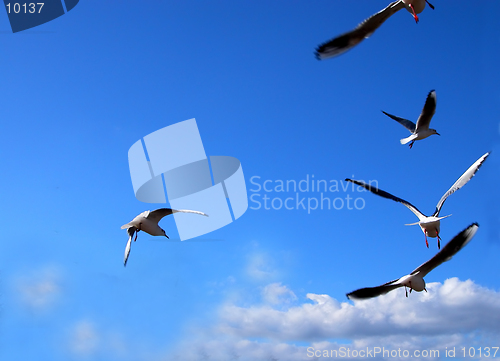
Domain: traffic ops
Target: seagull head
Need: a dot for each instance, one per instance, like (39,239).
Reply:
(434,132)
(416,7)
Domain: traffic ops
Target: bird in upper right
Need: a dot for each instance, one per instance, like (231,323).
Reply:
(420,130)
(347,41)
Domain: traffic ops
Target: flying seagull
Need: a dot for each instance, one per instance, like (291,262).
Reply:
(421,129)
(430,225)
(415,280)
(348,40)
(148,222)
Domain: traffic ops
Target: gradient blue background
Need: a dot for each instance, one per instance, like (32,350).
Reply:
(78,91)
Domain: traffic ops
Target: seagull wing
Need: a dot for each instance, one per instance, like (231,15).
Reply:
(346,41)
(467,176)
(448,251)
(384,194)
(370,292)
(157,215)
(427,112)
(408,124)
(131,231)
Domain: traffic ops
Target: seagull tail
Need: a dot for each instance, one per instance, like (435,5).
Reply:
(412,224)
(407,140)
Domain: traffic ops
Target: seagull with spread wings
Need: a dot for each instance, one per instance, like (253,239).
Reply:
(346,41)
(148,222)
(421,129)
(430,225)
(415,280)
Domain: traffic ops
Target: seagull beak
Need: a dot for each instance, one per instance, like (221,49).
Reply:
(164,233)
(438,134)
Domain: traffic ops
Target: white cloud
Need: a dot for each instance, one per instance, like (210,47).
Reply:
(259,267)
(275,294)
(232,349)
(84,339)
(450,316)
(39,291)
(90,340)
(229,349)
(447,308)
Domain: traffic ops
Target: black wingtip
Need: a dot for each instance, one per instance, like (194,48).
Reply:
(430,5)
(465,236)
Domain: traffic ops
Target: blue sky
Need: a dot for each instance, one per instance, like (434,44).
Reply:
(80,90)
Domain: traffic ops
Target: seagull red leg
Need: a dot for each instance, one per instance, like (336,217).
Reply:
(426,243)
(414,13)
(439,240)
(411,144)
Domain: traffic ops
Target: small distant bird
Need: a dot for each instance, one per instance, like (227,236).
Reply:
(415,280)
(430,225)
(148,222)
(421,129)
(364,30)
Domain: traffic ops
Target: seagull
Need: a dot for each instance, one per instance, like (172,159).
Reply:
(421,129)
(430,225)
(148,222)
(348,40)
(415,280)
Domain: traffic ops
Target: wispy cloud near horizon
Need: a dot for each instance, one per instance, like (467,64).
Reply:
(39,290)
(453,314)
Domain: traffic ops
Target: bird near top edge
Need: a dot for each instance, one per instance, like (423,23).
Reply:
(365,29)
